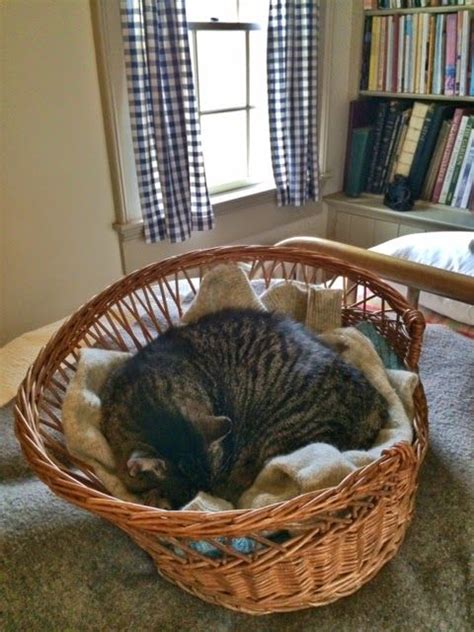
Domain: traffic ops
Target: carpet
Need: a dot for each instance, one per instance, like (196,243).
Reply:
(63,569)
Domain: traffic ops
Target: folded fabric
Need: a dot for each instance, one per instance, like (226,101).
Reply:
(81,418)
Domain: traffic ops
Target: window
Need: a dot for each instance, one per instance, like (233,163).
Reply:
(228,46)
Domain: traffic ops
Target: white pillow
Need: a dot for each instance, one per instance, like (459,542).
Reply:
(453,251)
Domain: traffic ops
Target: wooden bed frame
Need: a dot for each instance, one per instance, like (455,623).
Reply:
(416,276)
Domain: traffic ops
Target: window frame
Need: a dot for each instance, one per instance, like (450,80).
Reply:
(106,27)
(216,26)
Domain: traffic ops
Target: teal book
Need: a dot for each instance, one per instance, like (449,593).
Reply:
(359,160)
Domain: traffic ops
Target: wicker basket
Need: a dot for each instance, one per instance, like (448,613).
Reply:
(344,534)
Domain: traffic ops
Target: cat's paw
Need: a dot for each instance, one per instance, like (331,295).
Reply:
(153,498)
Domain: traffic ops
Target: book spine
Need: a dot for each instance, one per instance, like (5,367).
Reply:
(399,144)
(411,140)
(471,57)
(452,161)
(401,53)
(416,51)
(424,50)
(382,54)
(435,162)
(463,179)
(430,53)
(384,144)
(364,76)
(374,50)
(396,34)
(465,28)
(450,58)
(459,160)
(408,52)
(447,154)
(379,124)
(389,55)
(387,164)
(469,188)
(457,82)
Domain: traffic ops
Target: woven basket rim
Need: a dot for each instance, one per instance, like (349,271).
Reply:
(158,519)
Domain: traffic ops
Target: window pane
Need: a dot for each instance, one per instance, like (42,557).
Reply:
(253,10)
(224,138)
(222,69)
(260,157)
(258,68)
(204,10)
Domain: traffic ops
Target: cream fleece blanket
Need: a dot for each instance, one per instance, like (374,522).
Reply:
(314,467)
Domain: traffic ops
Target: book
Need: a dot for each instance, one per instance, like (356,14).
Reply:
(359,157)
(389,57)
(382,54)
(435,162)
(408,52)
(424,33)
(459,158)
(470,70)
(452,160)
(430,54)
(461,193)
(362,113)
(439,54)
(364,75)
(458,114)
(450,56)
(386,144)
(469,190)
(374,52)
(401,53)
(391,149)
(411,139)
(435,116)
(465,23)
(405,118)
(378,129)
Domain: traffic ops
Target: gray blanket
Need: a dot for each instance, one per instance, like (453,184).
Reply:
(64,569)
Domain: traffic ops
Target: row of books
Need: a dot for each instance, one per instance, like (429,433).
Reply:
(430,143)
(422,53)
(412,4)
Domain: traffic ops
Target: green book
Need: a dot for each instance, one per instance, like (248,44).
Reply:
(359,161)
(459,159)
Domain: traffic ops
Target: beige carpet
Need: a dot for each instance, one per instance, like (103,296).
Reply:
(62,569)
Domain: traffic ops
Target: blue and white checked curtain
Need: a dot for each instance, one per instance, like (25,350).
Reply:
(165,121)
(292,87)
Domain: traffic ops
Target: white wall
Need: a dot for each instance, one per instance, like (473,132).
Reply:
(58,245)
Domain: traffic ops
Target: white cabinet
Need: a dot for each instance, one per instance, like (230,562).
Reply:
(365,222)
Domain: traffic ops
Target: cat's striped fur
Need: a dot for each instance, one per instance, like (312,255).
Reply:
(204,406)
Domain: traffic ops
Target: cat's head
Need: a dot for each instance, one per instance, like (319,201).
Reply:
(171,481)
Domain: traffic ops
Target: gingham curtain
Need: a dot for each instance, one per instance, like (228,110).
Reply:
(292,86)
(165,121)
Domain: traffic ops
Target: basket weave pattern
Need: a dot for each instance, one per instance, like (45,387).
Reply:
(340,537)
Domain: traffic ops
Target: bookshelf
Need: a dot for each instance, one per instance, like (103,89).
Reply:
(367,213)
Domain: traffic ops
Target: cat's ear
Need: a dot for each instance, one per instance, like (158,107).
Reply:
(140,461)
(212,427)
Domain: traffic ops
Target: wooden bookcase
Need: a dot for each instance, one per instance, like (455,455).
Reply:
(365,221)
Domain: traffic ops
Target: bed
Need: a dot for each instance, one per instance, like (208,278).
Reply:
(62,564)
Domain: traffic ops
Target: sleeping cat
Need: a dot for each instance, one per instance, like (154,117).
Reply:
(204,406)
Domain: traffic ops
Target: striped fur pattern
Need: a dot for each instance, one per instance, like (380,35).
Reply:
(204,406)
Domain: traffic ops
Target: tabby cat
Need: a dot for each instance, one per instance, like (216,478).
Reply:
(205,405)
